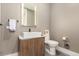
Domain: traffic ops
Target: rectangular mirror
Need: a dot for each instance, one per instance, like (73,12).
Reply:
(28,15)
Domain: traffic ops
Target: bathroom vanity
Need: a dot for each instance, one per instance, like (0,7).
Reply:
(31,46)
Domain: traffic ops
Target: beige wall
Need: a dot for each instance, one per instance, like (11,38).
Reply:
(65,22)
(8,42)
(0,21)
(0,12)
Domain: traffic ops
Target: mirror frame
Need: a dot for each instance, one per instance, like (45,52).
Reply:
(22,16)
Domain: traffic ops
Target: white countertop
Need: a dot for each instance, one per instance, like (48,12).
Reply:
(22,38)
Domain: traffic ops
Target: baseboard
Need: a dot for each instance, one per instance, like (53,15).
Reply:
(13,54)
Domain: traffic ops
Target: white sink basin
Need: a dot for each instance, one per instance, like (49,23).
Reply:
(27,35)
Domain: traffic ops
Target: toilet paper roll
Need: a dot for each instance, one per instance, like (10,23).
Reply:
(64,38)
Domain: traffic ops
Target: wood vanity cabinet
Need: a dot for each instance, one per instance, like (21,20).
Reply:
(31,47)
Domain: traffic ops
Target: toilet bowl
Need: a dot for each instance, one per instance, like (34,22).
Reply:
(50,45)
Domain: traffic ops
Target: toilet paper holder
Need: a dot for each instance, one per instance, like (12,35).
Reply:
(65,39)
(66,42)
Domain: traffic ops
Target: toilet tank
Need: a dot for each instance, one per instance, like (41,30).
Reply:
(46,34)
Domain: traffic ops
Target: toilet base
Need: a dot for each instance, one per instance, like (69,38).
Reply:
(50,52)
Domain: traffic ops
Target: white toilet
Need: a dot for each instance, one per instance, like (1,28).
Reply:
(50,45)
